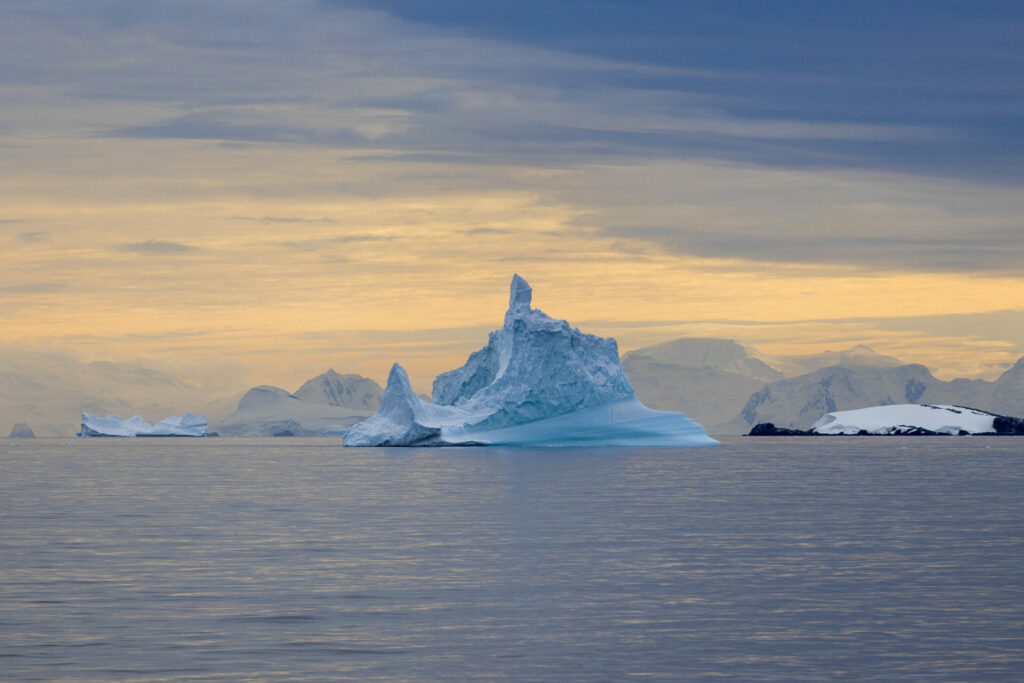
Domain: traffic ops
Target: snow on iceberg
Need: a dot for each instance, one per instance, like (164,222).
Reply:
(188,424)
(537,382)
(906,418)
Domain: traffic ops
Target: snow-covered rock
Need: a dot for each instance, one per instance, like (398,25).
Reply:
(538,381)
(189,424)
(907,418)
(797,402)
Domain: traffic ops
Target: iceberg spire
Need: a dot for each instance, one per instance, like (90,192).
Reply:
(400,417)
(521,293)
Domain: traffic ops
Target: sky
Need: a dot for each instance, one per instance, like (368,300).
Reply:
(245,192)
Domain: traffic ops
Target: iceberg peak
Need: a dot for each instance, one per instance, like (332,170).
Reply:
(521,293)
(404,419)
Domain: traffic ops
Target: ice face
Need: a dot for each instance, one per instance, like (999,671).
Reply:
(536,381)
(532,368)
(189,424)
(400,420)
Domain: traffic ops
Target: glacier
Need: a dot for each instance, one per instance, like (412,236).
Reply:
(188,424)
(537,382)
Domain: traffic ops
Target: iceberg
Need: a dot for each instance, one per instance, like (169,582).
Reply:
(188,424)
(537,382)
(21,431)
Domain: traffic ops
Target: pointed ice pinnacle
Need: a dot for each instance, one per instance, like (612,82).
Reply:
(521,292)
(400,420)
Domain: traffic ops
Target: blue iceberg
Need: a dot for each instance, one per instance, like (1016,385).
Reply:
(537,382)
(188,424)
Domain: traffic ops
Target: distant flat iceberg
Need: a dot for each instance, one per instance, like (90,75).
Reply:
(188,424)
(537,382)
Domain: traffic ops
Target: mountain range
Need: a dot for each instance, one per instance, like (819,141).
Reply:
(325,405)
(723,385)
(729,388)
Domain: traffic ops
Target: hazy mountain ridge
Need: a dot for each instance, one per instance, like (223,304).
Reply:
(708,379)
(349,390)
(858,356)
(724,355)
(798,402)
(50,391)
(323,404)
(723,385)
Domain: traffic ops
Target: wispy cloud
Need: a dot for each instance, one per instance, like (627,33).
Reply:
(488,231)
(156,247)
(283,219)
(34,288)
(318,243)
(356,77)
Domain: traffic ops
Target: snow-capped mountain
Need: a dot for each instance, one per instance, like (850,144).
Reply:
(708,379)
(325,404)
(347,391)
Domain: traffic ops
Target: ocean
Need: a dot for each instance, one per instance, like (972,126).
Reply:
(782,559)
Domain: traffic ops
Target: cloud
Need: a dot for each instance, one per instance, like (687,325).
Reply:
(991,253)
(869,221)
(488,231)
(156,247)
(34,236)
(233,130)
(34,288)
(494,84)
(319,243)
(284,219)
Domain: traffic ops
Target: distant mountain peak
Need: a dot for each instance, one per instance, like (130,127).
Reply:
(344,390)
(725,355)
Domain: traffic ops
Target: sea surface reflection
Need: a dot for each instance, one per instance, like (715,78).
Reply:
(290,559)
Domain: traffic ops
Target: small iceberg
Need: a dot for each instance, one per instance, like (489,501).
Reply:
(188,424)
(537,382)
(21,431)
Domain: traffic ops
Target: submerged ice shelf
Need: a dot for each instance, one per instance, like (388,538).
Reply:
(537,382)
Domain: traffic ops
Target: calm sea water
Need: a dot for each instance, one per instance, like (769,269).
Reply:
(288,559)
